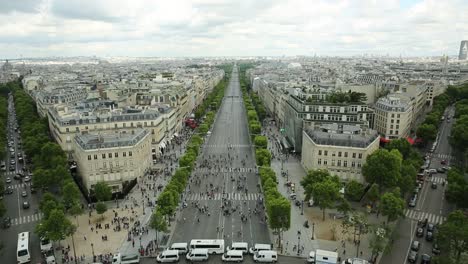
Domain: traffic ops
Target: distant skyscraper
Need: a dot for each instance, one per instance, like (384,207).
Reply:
(463,50)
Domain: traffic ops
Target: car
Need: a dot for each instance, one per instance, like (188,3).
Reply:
(415,245)
(446,168)
(412,203)
(9,190)
(425,259)
(298,203)
(27,178)
(6,222)
(443,162)
(12,162)
(429,236)
(420,232)
(17,176)
(46,245)
(11,168)
(25,205)
(33,190)
(435,249)
(24,193)
(8,180)
(413,256)
(430,228)
(434,185)
(440,170)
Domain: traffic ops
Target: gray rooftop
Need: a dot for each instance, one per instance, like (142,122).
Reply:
(114,140)
(345,136)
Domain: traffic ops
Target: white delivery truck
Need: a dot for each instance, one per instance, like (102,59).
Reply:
(320,256)
(126,259)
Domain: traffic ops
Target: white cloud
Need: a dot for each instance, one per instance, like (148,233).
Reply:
(231,27)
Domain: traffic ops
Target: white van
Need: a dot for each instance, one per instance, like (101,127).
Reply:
(268,256)
(181,247)
(233,256)
(242,246)
(258,247)
(311,257)
(168,255)
(197,254)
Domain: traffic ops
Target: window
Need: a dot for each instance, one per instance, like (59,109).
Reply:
(325,152)
(104,165)
(115,125)
(103,156)
(124,124)
(129,153)
(333,162)
(67,129)
(391,132)
(338,163)
(325,162)
(116,154)
(333,154)
(124,154)
(354,155)
(346,154)
(398,121)
(109,155)
(77,129)
(360,155)
(320,152)
(339,153)
(89,157)
(359,165)
(319,161)
(396,132)
(398,115)
(397,127)
(110,164)
(353,164)
(95,156)
(116,163)
(345,163)
(393,115)
(391,126)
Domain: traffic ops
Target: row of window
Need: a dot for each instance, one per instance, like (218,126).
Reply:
(124,125)
(109,155)
(111,164)
(345,154)
(339,163)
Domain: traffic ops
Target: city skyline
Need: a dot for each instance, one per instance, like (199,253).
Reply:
(231,28)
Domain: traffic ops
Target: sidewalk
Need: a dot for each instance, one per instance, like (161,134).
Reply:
(328,234)
(125,221)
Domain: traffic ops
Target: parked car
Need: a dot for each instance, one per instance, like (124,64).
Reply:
(25,205)
(413,256)
(425,259)
(420,232)
(415,245)
(430,228)
(8,180)
(429,236)
(435,249)
(27,178)
(434,185)
(6,222)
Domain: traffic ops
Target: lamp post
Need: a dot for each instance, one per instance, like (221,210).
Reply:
(92,249)
(313,230)
(302,205)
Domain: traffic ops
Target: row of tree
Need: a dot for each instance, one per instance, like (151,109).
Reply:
(427,131)
(278,207)
(50,169)
(3,142)
(458,136)
(170,197)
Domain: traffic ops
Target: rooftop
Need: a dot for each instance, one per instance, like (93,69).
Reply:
(342,135)
(110,140)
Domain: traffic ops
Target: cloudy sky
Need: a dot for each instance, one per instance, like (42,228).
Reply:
(37,28)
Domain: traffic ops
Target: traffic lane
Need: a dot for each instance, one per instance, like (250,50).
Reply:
(401,243)
(10,238)
(434,201)
(216,259)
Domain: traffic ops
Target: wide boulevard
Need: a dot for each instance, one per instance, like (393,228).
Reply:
(229,153)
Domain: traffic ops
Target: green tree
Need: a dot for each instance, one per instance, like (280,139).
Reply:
(3,209)
(261,142)
(377,241)
(167,202)
(373,194)
(408,178)
(392,206)
(354,190)
(427,132)
(457,189)
(49,203)
(312,177)
(326,193)
(102,191)
(71,193)
(263,157)
(55,227)
(203,129)
(255,128)
(251,115)
(383,167)
(101,208)
(401,145)
(158,223)
(458,135)
(452,237)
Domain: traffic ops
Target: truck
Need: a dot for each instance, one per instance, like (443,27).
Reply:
(320,256)
(126,259)
(190,122)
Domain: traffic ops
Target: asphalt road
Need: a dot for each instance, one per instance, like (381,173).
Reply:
(21,219)
(229,136)
(431,203)
(247,259)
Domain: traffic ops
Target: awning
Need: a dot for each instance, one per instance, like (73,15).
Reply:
(384,140)
(410,140)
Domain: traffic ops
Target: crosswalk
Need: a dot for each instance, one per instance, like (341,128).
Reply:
(12,173)
(227,145)
(27,219)
(444,156)
(228,196)
(226,170)
(437,179)
(20,185)
(431,218)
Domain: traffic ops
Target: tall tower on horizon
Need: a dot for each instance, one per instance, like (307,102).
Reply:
(463,55)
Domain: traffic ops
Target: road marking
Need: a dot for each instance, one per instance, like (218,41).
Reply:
(432,218)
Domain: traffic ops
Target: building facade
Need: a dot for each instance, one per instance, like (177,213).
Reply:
(463,54)
(393,116)
(113,158)
(342,150)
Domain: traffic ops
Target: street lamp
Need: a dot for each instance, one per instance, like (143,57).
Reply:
(313,230)
(92,249)
(302,205)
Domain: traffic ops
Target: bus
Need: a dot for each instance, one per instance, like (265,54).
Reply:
(22,251)
(214,246)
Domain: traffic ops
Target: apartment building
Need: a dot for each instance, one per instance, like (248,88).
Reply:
(114,158)
(65,95)
(393,116)
(304,111)
(341,149)
(93,116)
